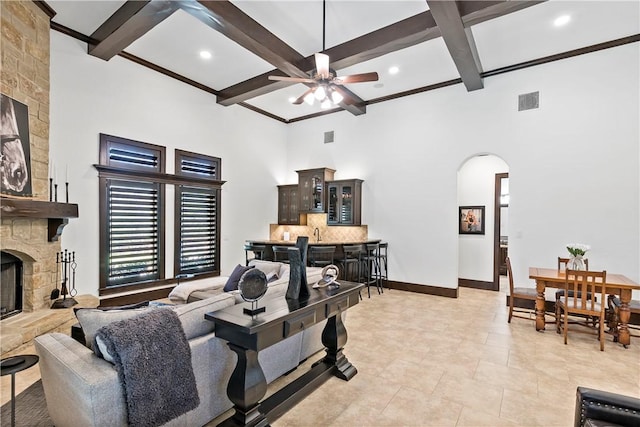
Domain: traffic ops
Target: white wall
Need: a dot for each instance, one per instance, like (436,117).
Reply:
(90,96)
(573,165)
(476,187)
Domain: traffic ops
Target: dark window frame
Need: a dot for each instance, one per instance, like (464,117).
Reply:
(109,170)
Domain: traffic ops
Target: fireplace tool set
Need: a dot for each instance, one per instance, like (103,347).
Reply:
(66,276)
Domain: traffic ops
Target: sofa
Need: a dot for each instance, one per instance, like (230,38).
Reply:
(602,408)
(83,389)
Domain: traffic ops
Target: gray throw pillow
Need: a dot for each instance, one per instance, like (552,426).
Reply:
(92,319)
(234,278)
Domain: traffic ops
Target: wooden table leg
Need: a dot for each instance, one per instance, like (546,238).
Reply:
(334,338)
(246,387)
(540,305)
(624,313)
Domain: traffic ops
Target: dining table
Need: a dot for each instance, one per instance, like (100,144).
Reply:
(616,284)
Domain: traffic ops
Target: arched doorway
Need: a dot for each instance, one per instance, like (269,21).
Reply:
(480,251)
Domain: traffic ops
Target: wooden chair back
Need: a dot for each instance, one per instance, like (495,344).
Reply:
(562,263)
(580,292)
(510,276)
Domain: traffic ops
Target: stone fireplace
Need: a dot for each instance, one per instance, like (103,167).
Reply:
(30,227)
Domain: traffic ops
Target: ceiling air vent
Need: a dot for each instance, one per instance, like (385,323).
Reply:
(528,101)
(328,137)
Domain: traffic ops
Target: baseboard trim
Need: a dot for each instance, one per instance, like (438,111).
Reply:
(423,289)
(135,297)
(476,284)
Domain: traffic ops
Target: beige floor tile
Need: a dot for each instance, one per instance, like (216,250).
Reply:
(424,360)
(471,417)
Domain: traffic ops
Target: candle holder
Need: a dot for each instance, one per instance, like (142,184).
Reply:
(51,189)
(55,192)
(66,190)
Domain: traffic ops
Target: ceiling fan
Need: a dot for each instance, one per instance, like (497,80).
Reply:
(324,84)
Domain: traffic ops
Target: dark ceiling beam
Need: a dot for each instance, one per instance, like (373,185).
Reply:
(459,42)
(406,33)
(477,12)
(233,23)
(133,20)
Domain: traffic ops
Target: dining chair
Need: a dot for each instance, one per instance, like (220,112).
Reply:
(520,293)
(583,285)
(562,266)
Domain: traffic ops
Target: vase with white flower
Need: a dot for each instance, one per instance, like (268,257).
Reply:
(577,251)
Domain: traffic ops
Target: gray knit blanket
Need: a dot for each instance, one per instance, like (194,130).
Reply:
(153,359)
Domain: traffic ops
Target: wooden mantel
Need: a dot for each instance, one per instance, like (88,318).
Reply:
(58,214)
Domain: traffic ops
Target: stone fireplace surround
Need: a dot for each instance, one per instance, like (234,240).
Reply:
(26,230)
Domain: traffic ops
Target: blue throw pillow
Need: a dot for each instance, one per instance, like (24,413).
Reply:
(232,282)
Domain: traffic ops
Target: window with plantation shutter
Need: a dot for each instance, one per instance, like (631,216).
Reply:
(133,231)
(197,211)
(131,214)
(133,208)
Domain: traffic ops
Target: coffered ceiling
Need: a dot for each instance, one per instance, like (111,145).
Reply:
(432,43)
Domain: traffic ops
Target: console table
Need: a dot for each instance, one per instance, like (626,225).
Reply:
(247,335)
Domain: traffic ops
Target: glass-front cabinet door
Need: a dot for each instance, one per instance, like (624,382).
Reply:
(288,212)
(311,188)
(344,202)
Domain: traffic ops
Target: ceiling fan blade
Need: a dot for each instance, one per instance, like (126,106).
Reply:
(300,100)
(322,65)
(357,78)
(291,79)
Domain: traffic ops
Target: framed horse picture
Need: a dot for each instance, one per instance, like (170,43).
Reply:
(15,154)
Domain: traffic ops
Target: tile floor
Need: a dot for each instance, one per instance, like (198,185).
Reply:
(424,360)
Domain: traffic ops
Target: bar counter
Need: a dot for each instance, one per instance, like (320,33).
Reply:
(312,242)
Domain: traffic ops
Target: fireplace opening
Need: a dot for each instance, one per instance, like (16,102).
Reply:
(10,285)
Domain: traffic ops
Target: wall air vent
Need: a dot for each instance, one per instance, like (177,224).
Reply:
(328,137)
(528,101)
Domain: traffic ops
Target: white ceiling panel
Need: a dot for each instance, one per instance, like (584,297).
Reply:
(421,65)
(229,64)
(83,16)
(531,33)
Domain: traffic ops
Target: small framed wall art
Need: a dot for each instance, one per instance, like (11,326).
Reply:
(471,220)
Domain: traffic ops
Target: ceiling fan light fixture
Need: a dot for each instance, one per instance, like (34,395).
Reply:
(336,97)
(326,104)
(320,93)
(309,98)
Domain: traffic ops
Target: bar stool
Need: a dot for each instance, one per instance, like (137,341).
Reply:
(369,261)
(257,250)
(281,254)
(321,256)
(351,262)
(382,263)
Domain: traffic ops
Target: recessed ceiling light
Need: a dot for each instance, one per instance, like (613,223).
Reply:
(205,54)
(394,70)
(562,20)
